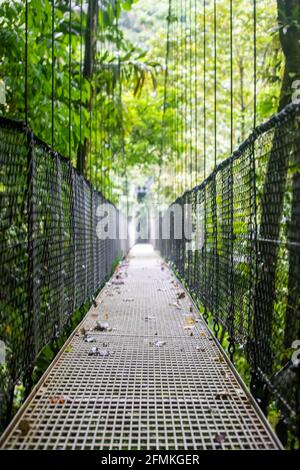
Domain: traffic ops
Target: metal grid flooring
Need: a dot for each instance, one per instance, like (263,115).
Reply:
(157,381)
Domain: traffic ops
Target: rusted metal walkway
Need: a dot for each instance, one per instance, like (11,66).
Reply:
(142,371)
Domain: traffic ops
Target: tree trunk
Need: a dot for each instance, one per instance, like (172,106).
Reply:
(88,73)
(271,206)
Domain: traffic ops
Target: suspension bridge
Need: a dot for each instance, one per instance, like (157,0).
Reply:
(164,326)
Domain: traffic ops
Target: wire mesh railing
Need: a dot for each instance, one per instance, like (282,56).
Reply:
(240,258)
(51,259)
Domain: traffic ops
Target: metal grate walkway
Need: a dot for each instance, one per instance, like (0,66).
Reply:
(154,378)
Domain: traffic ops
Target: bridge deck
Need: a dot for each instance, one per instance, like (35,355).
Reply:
(153,379)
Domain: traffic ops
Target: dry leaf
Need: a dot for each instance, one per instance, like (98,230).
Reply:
(99,352)
(60,400)
(102,326)
(89,339)
(24,427)
(222,395)
(219,358)
(174,304)
(220,437)
(181,295)
(189,327)
(240,392)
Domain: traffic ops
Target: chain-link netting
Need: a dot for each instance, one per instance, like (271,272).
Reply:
(242,259)
(51,258)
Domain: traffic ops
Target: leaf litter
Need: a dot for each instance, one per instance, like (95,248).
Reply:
(95,351)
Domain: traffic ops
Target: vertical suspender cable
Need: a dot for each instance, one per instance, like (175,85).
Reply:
(166,77)
(96,183)
(80,75)
(254,62)
(185,98)
(90,26)
(231,77)
(70,74)
(102,135)
(26,64)
(174,83)
(196,92)
(215,83)
(181,65)
(204,90)
(191,169)
(52,74)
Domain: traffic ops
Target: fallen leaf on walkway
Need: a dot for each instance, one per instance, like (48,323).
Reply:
(219,358)
(83,331)
(24,427)
(221,437)
(102,326)
(103,352)
(181,295)
(240,392)
(149,318)
(223,395)
(159,343)
(89,339)
(68,348)
(94,303)
(189,323)
(60,400)
(99,352)
(174,304)
(189,327)
(198,348)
